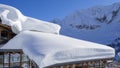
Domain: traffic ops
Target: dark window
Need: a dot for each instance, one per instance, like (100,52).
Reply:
(4,37)
(4,34)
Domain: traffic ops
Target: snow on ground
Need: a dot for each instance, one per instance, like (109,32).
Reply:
(48,49)
(18,22)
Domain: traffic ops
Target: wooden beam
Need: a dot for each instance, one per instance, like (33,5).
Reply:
(6,27)
(65,66)
(20,60)
(3,60)
(99,64)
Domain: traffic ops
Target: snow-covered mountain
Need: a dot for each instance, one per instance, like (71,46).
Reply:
(100,24)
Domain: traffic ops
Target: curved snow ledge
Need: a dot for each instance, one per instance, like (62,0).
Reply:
(18,22)
(47,49)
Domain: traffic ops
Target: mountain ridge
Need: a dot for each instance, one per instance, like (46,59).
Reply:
(99,24)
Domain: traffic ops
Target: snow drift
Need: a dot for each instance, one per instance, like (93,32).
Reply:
(48,49)
(18,22)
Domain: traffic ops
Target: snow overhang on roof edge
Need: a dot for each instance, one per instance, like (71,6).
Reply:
(18,22)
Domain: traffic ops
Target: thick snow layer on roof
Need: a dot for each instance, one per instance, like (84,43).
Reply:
(18,22)
(1,45)
(48,49)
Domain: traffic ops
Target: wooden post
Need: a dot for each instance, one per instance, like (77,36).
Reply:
(99,63)
(104,62)
(20,59)
(3,59)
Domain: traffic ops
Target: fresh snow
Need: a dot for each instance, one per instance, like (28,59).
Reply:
(18,22)
(48,49)
(41,41)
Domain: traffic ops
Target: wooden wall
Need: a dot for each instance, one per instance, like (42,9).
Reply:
(5,33)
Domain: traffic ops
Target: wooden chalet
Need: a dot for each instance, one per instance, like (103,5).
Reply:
(7,56)
(7,59)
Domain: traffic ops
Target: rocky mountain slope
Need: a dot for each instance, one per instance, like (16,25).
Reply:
(100,24)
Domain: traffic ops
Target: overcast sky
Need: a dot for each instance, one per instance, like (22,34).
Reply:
(50,9)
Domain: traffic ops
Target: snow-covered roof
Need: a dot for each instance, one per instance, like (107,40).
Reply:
(1,45)
(48,49)
(38,40)
(18,22)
